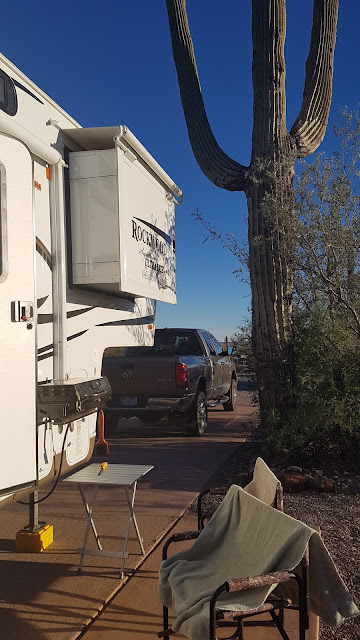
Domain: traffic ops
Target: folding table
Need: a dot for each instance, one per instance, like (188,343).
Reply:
(122,475)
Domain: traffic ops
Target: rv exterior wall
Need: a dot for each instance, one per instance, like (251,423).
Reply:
(123,232)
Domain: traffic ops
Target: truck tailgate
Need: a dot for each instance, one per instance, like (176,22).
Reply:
(145,376)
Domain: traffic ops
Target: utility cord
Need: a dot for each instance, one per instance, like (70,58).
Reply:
(57,477)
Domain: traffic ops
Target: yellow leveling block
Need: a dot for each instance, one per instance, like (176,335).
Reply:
(34,541)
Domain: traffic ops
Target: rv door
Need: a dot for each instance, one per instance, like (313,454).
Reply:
(17,334)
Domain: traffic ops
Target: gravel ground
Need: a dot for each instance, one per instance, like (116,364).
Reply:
(337,514)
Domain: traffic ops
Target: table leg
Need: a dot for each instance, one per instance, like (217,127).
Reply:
(96,535)
(132,515)
(90,512)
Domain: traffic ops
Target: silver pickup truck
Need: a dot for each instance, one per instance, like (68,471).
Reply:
(184,373)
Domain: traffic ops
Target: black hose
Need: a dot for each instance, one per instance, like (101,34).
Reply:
(58,475)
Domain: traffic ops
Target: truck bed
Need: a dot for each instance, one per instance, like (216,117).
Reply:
(140,378)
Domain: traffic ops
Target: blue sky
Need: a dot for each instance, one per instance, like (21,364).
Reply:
(111,63)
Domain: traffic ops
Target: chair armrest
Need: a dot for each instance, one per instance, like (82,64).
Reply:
(179,537)
(240,584)
(221,491)
(253,582)
(185,535)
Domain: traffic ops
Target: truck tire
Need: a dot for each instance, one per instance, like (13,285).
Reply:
(111,421)
(199,416)
(231,403)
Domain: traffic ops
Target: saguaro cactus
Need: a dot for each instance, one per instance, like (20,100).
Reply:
(268,180)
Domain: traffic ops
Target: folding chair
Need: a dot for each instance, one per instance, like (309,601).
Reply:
(273,605)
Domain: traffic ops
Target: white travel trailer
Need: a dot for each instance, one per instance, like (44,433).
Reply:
(86,247)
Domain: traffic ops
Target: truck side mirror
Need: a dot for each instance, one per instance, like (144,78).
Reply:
(227,352)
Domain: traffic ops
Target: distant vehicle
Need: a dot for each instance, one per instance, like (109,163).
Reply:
(184,373)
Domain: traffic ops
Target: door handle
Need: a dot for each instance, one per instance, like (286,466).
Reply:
(22,311)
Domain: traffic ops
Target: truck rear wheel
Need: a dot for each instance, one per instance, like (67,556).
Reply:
(231,403)
(199,416)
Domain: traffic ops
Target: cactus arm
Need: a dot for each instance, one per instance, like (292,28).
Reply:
(218,167)
(309,128)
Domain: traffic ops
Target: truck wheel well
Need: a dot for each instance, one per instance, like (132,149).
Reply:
(202,385)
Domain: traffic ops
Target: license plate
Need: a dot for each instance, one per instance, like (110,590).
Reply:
(128,401)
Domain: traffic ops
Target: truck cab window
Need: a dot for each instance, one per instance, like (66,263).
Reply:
(169,343)
(8,98)
(209,343)
(216,344)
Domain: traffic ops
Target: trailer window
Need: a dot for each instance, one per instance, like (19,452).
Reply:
(3,226)
(8,98)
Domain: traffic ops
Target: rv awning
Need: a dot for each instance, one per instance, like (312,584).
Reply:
(97,138)
(93,138)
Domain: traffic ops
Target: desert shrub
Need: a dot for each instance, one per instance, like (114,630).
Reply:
(323,415)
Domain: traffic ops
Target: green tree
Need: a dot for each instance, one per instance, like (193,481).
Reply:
(327,265)
(242,339)
(322,419)
(268,181)
(243,348)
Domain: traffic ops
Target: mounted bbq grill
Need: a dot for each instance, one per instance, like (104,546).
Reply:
(63,401)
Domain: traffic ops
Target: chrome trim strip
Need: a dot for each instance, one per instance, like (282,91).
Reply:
(4,266)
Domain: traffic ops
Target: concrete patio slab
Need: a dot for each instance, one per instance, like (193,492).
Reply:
(42,595)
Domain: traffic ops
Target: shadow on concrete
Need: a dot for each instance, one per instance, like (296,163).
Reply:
(37,575)
(7,545)
(20,615)
(16,628)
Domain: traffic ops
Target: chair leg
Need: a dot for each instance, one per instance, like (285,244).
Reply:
(212,623)
(279,625)
(303,604)
(281,617)
(302,625)
(165,618)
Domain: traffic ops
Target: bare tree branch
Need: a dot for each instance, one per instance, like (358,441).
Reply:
(213,161)
(229,242)
(335,288)
(350,308)
(310,125)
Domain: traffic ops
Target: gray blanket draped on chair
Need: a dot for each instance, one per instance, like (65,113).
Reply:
(246,537)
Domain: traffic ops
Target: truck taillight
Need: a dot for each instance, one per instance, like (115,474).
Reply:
(181,375)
